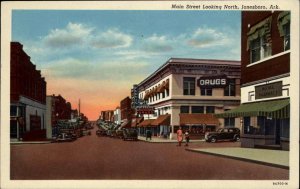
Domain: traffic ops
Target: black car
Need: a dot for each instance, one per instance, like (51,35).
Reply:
(130,134)
(232,134)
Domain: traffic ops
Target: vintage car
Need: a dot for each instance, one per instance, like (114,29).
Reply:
(130,134)
(100,132)
(229,133)
(64,137)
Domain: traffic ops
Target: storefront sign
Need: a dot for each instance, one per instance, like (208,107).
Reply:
(145,110)
(212,82)
(268,90)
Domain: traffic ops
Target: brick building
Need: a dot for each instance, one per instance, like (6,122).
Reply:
(27,97)
(126,112)
(265,80)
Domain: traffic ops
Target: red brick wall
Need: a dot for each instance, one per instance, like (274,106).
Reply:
(276,66)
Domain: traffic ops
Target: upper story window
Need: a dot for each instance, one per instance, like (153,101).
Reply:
(197,109)
(229,90)
(184,109)
(283,23)
(206,92)
(259,41)
(188,86)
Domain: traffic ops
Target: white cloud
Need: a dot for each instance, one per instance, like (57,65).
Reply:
(157,44)
(208,37)
(112,38)
(73,34)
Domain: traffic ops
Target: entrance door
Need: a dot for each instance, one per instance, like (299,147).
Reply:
(277,132)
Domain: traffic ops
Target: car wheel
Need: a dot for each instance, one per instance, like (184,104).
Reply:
(237,138)
(213,139)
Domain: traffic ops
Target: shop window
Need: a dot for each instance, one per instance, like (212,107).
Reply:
(285,128)
(197,109)
(13,129)
(259,40)
(188,86)
(184,109)
(229,90)
(206,92)
(13,110)
(229,122)
(210,109)
(247,125)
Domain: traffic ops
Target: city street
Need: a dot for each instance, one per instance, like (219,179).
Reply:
(93,157)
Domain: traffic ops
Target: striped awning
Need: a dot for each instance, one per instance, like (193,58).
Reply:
(277,109)
(146,123)
(162,120)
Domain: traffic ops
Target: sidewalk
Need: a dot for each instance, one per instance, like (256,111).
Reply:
(30,142)
(276,158)
(164,140)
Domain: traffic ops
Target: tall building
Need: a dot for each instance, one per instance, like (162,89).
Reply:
(126,112)
(187,93)
(265,79)
(27,97)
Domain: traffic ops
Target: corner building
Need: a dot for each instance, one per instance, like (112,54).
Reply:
(187,93)
(27,97)
(265,82)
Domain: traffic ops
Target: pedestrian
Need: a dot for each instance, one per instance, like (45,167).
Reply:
(187,137)
(179,136)
(148,134)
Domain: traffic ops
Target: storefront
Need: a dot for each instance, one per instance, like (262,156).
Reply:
(190,86)
(264,124)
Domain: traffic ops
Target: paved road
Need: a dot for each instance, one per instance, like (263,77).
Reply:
(93,157)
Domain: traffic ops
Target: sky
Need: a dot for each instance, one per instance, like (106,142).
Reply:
(98,55)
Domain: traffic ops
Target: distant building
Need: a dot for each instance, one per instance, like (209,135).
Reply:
(117,116)
(188,92)
(265,81)
(126,112)
(27,97)
(57,109)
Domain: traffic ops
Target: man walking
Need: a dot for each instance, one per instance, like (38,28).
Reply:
(179,136)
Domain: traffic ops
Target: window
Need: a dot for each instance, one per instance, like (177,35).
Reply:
(259,40)
(13,110)
(285,128)
(188,86)
(167,92)
(184,109)
(197,109)
(229,122)
(283,23)
(206,92)
(247,126)
(229,90)
(210,109)
(286,31)
(163,94)
(260,48)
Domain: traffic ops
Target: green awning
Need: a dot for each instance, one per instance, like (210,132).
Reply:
(277,109)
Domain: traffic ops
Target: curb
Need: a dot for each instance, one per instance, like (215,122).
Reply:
(241,159)
(36,142)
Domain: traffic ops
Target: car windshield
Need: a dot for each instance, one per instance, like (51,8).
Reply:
(219,130)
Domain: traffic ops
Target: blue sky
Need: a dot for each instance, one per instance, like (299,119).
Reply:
(97,55)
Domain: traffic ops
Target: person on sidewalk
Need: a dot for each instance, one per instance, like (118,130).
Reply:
(148,134)
(187,137)
(179,136)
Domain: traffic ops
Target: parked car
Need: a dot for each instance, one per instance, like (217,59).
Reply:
(85,132)
(101,132)
(231,133)
(130,134)
(64,137)
(119,134)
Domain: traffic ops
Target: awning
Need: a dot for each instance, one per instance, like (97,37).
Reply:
(146,123)
(198,119)
(275,109)
(136,121)
(162,120)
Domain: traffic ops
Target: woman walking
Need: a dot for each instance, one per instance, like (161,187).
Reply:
(179,136)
